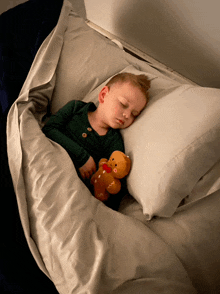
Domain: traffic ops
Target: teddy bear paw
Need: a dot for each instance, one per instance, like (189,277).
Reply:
(110,185)
(102,196)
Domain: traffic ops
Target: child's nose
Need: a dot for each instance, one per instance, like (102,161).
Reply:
(126,114)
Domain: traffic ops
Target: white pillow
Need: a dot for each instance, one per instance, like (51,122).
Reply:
(172,144)
(87,59)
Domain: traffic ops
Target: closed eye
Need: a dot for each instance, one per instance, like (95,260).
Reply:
(135,114)
(123,105)
(123,102)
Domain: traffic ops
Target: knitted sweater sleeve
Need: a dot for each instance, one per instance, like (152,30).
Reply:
(55,130)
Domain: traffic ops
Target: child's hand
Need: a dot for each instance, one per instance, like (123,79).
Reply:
(88,168)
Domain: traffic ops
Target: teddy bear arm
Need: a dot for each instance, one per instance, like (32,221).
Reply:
(92,180)
(114,187)
(102,161)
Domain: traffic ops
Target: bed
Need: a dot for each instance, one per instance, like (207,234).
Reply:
(164,237)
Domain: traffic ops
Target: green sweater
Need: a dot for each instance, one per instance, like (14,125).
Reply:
(70,128)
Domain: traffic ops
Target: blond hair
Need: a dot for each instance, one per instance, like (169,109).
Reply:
(140,81)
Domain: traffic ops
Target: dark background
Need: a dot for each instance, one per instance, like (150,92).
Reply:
(22,31)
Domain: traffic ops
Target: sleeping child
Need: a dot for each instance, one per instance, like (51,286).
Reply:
(89,133)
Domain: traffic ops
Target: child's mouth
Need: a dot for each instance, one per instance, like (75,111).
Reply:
(121,121)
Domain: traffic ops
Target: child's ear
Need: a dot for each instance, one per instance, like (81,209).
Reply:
(103,93)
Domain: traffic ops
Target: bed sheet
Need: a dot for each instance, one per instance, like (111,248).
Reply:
(193,231)
(79,243)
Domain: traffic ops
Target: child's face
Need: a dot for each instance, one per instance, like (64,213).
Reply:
(121,104)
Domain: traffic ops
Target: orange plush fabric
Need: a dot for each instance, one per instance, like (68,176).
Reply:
(107,178)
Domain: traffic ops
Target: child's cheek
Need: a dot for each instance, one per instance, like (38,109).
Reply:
(116,110)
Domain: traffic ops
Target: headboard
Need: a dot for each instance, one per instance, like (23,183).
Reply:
(183,35)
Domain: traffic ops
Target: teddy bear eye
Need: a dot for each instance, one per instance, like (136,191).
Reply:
(116,165)
(113,159)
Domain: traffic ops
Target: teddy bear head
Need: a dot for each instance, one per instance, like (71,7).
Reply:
(120,164)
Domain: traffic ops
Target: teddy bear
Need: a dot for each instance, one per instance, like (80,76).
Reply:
(106,180)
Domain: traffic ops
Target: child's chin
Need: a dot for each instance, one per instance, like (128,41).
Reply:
(120,127)
(117,126)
